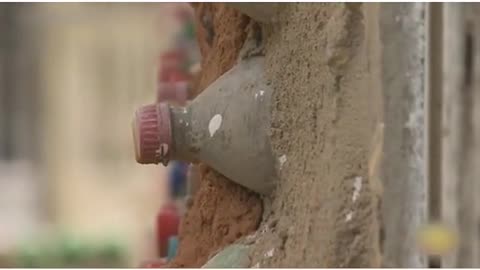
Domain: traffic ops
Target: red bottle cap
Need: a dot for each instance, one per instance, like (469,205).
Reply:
(176,92)
(152,134)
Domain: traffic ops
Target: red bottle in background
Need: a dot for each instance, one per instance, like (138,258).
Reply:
(172,63)
(174,92)
(171,75)
(168,220)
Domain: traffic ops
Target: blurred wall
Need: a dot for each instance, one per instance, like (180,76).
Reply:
(95,64)
(21,188)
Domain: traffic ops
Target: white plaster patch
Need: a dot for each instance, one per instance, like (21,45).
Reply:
(269,253)
(262,92)
(184,110)
(257,265)
(256,95)
(214,124)
(349,217)
(357,186)
(282,160)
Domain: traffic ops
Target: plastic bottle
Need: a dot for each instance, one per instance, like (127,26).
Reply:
(193,179)
(168,220)
(178,179)
(172,247)
(176,92)
(226,127)
(172,63)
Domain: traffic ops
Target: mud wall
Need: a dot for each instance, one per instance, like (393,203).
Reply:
(322,64)
(222,211)
(322,61)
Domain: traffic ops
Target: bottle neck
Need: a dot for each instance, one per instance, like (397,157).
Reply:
(182,131)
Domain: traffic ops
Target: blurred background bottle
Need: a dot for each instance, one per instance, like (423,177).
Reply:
(70,76)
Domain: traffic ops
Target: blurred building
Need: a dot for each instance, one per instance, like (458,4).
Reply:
(71,76)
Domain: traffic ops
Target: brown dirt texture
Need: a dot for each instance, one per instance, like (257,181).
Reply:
(221,211)
(326,106)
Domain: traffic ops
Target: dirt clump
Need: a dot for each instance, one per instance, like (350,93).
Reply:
(221,211)
(221,32)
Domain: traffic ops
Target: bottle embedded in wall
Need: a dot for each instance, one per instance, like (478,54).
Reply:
(226,127)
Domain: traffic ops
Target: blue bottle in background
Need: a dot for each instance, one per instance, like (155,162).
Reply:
(178,179)
(172,247)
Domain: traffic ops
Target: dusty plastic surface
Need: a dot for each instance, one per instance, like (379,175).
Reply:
(227,126)
(233,256)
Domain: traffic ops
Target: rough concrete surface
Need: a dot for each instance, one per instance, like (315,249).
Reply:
(325,112)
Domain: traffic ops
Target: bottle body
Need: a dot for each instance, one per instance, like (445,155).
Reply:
(227,127)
